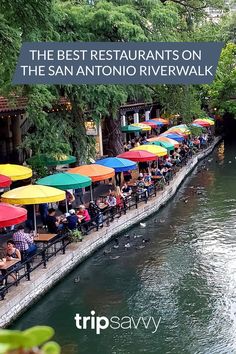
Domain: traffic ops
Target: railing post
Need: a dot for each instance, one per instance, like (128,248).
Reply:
(28,270)
(44,258)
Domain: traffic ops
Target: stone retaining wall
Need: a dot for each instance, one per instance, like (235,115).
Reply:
(20,298)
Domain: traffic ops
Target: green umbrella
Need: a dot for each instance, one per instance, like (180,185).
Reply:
(130,129)
(164,144)
(65,181)
(50,161)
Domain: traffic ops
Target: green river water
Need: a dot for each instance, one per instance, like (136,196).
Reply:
(185,276)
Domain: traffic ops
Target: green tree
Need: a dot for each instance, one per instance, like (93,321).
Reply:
(222,92)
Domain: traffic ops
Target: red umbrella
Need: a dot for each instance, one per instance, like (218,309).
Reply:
(11,215)
(138,156)
(5,181)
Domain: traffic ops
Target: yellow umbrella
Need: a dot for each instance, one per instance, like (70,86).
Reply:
(144,127)
(153,149)
(33,194)
(15,172)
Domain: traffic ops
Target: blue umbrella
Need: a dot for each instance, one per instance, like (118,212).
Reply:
(117,163)
(176,137)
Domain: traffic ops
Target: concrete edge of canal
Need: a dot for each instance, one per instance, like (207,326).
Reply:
(20,298)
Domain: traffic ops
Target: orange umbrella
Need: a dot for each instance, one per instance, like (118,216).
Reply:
(94,171)
(163,138)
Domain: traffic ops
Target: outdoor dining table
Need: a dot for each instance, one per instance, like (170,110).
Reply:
(103,206)
(8,267)
(46,240)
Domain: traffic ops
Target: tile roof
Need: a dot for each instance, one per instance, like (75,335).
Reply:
(19,103)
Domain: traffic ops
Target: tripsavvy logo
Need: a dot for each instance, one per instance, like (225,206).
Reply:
(100,323)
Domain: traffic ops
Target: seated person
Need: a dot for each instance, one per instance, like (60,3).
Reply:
(71,220)
(111,200)
(53,222)
(24,242)
(126,190)
(12,252)
(147,179)
(119,198)
(83,217)
(141,186)
(158,172)
(96,213)
(83,214)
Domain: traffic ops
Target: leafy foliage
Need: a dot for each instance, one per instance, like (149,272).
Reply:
(31,338)
(108,20)
(222,92)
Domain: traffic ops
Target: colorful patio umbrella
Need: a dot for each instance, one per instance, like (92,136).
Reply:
(164,138)
(15,172)
(138,156)
(164,121)
(130,129)
(5,181)
(65,181)
(95,172)
(204,122)
(197,125)
(119,164)
(50,161)
(150,124)
(144,127)
(156,150)
(11,215)
(177,131)
(157,122)
(212,122)
(33,194)
(182,128)
(173,136)
(168,146)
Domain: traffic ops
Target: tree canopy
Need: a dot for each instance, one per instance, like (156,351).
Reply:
(107,20)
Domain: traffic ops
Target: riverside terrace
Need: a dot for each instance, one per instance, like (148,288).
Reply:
(51,245)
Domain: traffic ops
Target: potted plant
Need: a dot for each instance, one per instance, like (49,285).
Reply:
(76,235)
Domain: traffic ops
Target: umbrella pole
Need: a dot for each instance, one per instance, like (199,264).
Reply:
(91,192)
(35,225)
(66,206)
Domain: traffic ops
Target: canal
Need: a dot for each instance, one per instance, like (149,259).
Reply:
(185,276)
